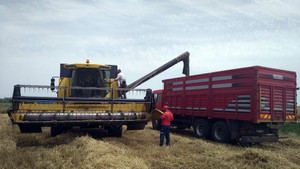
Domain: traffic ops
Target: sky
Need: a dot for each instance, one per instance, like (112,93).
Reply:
(139,36)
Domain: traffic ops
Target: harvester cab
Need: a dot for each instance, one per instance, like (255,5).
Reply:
(88,76)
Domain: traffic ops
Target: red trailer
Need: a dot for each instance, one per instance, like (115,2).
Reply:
(246,104)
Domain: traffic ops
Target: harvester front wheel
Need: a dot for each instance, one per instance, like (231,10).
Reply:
(57,130)
(156,124)
(136,127)
(114,131)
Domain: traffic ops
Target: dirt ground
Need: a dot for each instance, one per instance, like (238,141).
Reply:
(136,149)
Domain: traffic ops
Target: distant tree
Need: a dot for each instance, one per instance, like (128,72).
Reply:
(5,100)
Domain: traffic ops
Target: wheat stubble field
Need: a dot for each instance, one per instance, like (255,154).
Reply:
(136,149)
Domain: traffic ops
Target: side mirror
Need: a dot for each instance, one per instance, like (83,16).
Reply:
(52,84)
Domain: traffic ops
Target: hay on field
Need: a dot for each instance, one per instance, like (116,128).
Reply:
(136,149)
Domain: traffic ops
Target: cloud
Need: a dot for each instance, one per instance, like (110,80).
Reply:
(139,36)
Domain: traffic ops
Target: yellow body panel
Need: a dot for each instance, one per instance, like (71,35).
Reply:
(64,82)
(78,108)
(83,107)
(18,116)
(113,85)
(87,65)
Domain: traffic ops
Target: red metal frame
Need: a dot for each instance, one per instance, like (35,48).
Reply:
(257,94)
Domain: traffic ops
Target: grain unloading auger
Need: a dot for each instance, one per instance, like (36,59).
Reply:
(86,97)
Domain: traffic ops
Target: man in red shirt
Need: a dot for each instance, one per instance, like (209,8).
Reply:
(166,119)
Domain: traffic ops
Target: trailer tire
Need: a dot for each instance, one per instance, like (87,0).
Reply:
(202,128)
(220,132)
(156,124)
(114,131)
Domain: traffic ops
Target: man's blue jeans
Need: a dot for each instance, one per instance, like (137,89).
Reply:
(164,132)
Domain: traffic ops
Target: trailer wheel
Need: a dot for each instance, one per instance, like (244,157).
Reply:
(202,128)
(220,132)
(156,124)
(114,131)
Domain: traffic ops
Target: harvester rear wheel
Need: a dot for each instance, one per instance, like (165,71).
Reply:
(114,131)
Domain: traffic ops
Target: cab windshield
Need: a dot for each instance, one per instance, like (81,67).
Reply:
(88,77)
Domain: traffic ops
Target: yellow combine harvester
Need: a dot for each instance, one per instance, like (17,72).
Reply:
(87,96)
